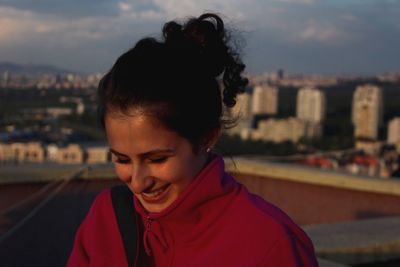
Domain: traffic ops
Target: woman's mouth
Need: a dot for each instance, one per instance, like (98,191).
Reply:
(155,194)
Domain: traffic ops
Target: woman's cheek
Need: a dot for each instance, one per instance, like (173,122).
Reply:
(165,172)
(123,172)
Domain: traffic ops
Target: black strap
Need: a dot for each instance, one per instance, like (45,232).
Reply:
(122,200)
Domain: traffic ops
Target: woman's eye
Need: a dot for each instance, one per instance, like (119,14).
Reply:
(158,160)
(122,161)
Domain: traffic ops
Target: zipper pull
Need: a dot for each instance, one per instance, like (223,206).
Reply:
(149,221)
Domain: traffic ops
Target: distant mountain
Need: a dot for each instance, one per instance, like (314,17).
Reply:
(32,69)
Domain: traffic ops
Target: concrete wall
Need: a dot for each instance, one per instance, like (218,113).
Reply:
(312,196)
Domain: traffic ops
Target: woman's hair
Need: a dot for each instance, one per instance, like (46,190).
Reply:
(175,80)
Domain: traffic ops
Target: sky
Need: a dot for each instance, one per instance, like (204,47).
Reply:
(299,36)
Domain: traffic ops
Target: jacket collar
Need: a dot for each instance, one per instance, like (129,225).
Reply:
(193,209)
(211,182)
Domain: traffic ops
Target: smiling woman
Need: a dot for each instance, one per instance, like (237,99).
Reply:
(156,163)
(162,108)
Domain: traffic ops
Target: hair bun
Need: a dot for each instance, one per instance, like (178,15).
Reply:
(201,44)
(207,32)
(172,31)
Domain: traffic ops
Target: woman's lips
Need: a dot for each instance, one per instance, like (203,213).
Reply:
(155,195)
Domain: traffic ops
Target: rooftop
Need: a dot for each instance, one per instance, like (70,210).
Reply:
(352,220)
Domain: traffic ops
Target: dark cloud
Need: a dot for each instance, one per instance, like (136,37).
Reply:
(71,8)
(77,8)
(345,37)
(341,36)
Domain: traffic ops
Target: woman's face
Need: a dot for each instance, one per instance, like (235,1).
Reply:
(156,163)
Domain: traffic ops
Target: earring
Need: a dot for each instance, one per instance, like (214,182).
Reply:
(208,149)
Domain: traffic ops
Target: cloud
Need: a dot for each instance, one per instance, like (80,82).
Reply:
(322,32)
(182,8)
(84,33)
(307,2)
(65,9)
(84,43)
(23,26)
(17,26)
(124,6)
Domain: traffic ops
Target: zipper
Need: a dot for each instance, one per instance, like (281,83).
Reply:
(146,232)
(149,221)
(159,237)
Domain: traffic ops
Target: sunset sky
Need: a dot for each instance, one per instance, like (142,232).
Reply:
(300,36)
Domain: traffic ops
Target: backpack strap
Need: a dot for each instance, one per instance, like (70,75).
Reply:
(122,200)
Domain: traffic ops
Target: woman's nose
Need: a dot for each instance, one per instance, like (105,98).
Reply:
(140,179)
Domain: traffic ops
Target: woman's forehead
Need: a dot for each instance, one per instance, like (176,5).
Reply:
(140,131)
(136,125)
(133,116)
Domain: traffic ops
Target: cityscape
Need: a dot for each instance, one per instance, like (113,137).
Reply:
(56,120)
(335,138)
(374,147)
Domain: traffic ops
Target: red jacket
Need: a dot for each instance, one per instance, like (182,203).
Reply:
(214,222)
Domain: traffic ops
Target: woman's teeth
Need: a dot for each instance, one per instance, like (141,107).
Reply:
(156,192)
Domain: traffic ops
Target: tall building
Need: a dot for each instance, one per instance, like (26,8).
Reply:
(310,105)
(393,133)
(5,79)
(243,106)
(265,100)
(367,112)
(289,129)
(242,112)
(280,73)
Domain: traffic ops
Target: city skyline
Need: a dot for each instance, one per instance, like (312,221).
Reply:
(299,36)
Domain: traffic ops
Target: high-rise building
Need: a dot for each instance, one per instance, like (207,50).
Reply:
(242,109)
(393,133)
(280,73)
(265,100)
(310,105)
(5,79)
(289,129)
(367,112)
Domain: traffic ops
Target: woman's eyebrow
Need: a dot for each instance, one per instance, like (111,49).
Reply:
(145,154)
(117,153)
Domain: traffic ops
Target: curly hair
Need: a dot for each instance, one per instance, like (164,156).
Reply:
(176,79)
